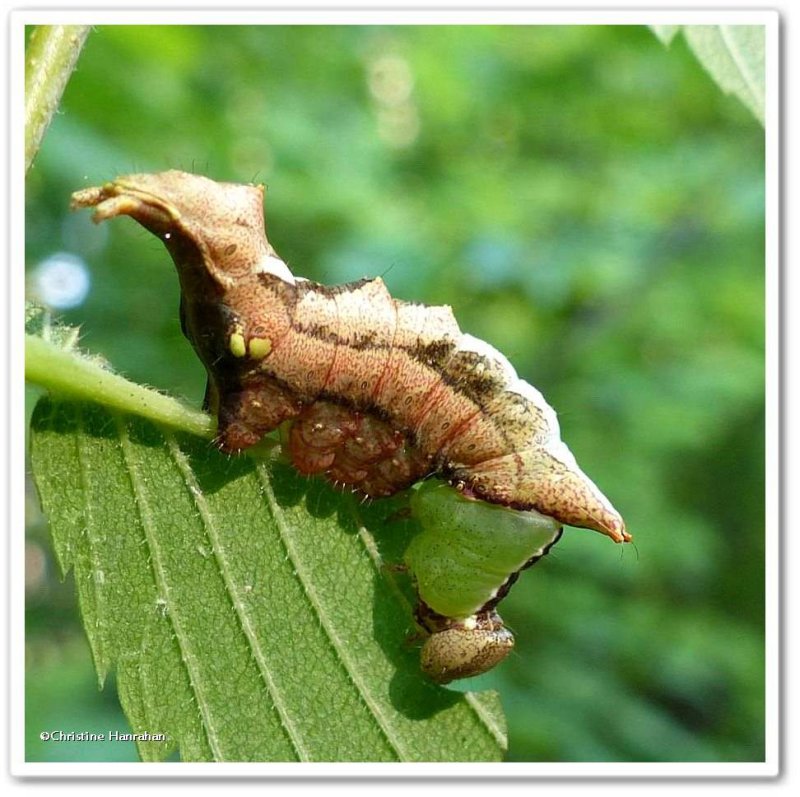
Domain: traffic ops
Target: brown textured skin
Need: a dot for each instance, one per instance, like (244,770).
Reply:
(462,648)
(378,392)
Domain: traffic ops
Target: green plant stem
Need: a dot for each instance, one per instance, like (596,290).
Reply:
(63,372)
(51,56)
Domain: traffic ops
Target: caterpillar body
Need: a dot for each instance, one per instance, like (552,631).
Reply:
(467,557)
(378,392)
(374,393)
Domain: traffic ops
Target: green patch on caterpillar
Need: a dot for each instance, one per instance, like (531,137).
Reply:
(463,563)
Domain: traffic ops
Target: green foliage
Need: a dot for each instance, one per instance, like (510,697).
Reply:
(50,57)
(733,56)
(246,611)
(591,204)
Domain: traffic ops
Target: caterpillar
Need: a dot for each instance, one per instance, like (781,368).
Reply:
(377,393)
(467,557)
(374,393)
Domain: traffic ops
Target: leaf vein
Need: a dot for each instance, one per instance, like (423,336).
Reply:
(237,600)
(328,627)
(160,577)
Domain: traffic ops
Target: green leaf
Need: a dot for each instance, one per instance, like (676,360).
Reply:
(732,54)
(666,32)
(247,611)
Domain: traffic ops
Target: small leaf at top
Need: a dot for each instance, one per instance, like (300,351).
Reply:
(734,56)
(665,32)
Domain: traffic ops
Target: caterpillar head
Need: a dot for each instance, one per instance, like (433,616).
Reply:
(216,228)
(466,648)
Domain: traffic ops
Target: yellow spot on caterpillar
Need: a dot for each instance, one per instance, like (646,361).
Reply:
(260,347)
(236,343)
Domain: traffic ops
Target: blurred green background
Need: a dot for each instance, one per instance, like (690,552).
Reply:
(590,203)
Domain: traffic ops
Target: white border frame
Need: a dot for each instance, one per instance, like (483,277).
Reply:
(361,13)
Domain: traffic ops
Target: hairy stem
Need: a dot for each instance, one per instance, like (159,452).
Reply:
(64,372)
(51,56)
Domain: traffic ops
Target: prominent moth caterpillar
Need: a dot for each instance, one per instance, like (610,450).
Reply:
(464,562)
(379,392)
